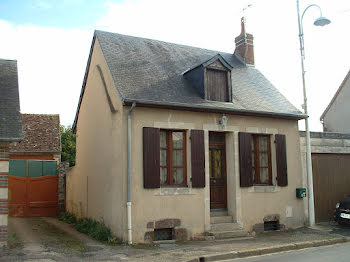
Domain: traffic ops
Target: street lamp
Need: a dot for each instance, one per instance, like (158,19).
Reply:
(321,21)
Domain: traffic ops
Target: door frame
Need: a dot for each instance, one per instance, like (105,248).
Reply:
(221,146)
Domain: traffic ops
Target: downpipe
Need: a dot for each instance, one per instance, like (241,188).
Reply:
(128,204)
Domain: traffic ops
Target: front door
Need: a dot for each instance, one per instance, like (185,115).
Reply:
(217,170)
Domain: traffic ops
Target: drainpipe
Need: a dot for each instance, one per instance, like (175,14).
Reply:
(128,204)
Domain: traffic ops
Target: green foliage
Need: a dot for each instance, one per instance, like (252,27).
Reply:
(67,217)
(95,229)
(68,144)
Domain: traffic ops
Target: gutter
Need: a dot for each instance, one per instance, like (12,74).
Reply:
(213,109)
(128,203)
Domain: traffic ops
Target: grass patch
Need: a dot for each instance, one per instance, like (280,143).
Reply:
(13,241)
(95,229)
(67,217)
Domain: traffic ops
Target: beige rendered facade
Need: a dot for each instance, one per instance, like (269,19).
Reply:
(97,185)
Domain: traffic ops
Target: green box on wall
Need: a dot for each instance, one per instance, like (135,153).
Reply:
(301,192)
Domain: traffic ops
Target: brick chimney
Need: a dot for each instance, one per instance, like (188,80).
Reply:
(244,45)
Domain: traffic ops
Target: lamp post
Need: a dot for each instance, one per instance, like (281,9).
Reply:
(321,21)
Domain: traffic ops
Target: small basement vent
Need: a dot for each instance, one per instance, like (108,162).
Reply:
(163,234)
(271,225)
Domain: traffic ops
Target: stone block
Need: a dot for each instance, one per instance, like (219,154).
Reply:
(168,223)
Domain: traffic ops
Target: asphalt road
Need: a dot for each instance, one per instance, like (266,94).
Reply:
(338,253)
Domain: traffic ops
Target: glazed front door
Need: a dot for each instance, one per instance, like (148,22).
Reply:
(217,171)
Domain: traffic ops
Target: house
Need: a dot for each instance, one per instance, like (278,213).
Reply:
(178,142)
(10,130)
(34,162)
(335,117)
(330,154)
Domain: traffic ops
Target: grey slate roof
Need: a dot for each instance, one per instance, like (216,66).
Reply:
(10,116)
(151,72)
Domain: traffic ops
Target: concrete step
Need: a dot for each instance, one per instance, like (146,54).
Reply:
(220,219)
(228,234)
(220,227)
(218,213)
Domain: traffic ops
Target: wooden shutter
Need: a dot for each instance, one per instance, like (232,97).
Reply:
(197,158)
(245,159)
(151,158)
(281,159)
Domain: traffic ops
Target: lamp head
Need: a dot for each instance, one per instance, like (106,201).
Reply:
(322,21)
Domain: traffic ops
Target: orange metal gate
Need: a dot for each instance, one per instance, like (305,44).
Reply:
(33,188)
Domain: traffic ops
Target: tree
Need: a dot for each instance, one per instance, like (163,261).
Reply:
(68,144)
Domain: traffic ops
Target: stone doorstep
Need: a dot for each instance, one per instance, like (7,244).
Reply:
(269,250)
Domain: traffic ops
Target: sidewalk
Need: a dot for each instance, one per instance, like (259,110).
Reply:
(270,242)
(47,239)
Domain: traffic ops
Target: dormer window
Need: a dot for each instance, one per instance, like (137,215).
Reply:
(212,79)
(216,85)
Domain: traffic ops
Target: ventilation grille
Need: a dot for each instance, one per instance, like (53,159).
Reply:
(163,234)
(271,226)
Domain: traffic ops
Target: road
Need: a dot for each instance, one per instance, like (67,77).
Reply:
(338,253)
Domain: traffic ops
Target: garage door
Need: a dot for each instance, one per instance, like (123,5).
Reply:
(33,188)
(331,177)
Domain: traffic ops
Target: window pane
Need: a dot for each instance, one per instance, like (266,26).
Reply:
(163,157)
(217,163)
(263,157)
(178,158)
(178,175)
(163,175)
(177,139)
(264,175)
(163,141)
(263,143)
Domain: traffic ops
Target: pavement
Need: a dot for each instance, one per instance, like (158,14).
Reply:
(47,239)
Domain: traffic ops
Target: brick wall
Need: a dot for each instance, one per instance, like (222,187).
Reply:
(4,169)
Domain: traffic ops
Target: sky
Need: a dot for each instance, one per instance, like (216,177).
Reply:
(51,40)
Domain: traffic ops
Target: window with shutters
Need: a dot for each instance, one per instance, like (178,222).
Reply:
(172,158)
(261,160)
(255,159)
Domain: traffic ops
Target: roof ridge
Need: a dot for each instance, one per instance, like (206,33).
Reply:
(335,95)
(8,60)
(165,42)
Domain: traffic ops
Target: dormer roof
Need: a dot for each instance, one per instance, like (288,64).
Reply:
(210,61)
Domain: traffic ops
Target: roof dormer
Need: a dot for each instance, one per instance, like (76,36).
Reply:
(212,79)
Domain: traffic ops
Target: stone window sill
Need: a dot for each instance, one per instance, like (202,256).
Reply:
(264,189)
(169,191)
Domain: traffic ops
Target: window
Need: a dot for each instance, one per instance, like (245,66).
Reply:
(164,158)
(217,85)
(172,157)
(261,160)
(255,159)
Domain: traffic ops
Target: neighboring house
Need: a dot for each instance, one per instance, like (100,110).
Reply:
(33,179)
(336,116)
(10,130)
(330,170)
(210,146)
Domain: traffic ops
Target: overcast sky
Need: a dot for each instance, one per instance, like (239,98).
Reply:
(51,41)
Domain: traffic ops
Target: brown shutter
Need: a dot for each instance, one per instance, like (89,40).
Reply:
(281,159)
(245,159)
(197,158)
(151,158)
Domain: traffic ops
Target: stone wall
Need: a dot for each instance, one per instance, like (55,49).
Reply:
(63,169)
(4,169)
